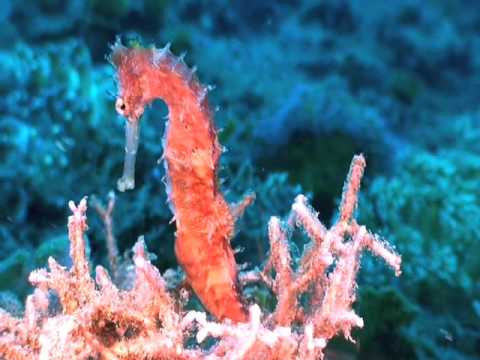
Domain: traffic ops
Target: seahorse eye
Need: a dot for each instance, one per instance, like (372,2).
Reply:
(120,106)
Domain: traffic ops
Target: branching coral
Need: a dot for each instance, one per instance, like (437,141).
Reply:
(331,293)
(98,320)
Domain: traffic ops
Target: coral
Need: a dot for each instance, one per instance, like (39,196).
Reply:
(36,19)
(96,319)
(389,324)
(40,101)
(94,314)
(445,183)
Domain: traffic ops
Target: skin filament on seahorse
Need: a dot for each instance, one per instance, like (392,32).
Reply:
(204,220)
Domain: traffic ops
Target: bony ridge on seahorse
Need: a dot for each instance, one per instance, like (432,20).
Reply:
(204,220)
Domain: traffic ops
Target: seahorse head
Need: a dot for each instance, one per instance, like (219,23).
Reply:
(128,62)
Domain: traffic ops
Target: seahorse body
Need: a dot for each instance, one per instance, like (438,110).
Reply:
(204,221)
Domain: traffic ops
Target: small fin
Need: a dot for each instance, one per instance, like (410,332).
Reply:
(238,209)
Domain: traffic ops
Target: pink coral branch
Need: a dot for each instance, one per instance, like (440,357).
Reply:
(351,188)
(331,294)
(77,224)
(106,214)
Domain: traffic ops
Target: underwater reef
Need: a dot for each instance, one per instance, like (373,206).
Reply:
(297,88)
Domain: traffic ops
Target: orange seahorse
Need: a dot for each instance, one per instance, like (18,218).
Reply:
(204,220)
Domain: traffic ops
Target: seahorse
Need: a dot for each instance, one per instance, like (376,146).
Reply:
(204,221)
